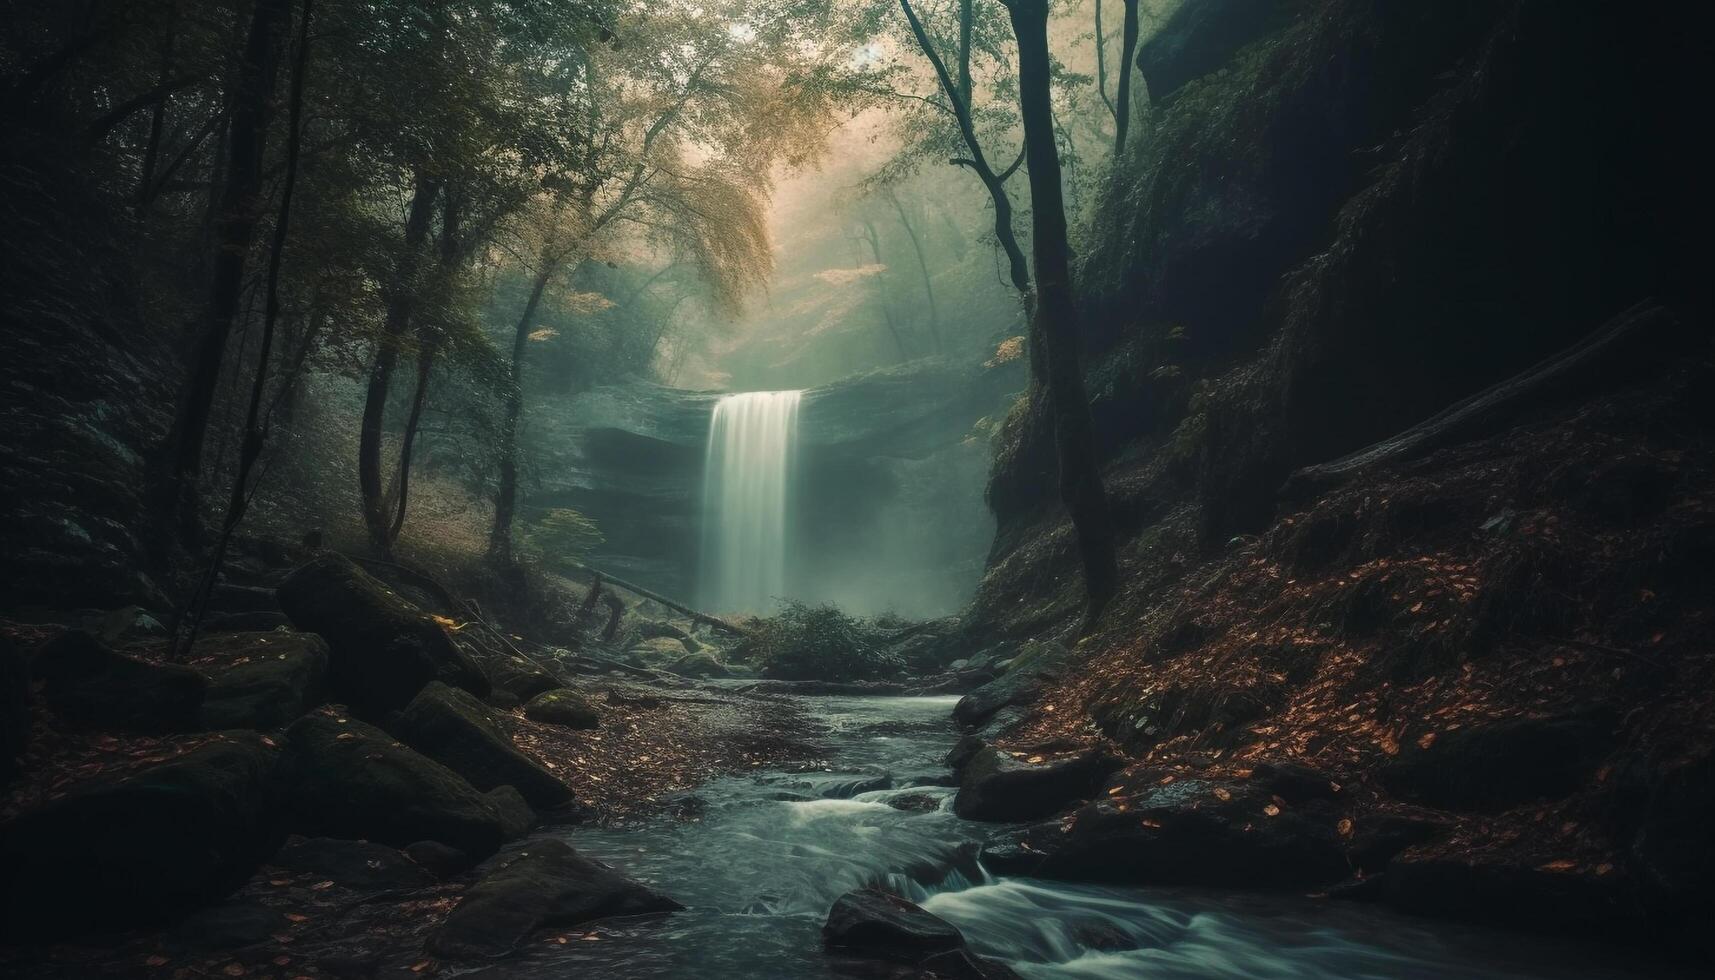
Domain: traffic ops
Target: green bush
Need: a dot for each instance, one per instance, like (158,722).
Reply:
(559,537)
(805,642)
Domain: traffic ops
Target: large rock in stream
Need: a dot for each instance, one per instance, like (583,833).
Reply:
(458,731)
(89,684)
(872,923)
(383,648)
(1185,831)
(353,781)
(116,854)
(548,884)
(994,785)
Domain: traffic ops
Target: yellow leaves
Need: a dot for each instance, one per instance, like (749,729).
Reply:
(1222,794)
(1271,809)
(1009,350)
(1344,827)
(446,623)
(342,736)
(1426,740)
(296,917)
(421,965)
(539,335)
(1035,760)
(1559,866)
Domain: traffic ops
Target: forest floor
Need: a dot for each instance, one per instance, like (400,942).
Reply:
(1501,656)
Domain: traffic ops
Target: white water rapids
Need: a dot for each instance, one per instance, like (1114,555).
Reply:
(747,493)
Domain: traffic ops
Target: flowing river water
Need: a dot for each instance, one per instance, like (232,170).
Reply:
(770,852)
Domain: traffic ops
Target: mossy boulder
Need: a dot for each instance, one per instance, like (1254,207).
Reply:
(354,781)
(549,884)
(89,684)
(563,707)
(383,648)
(266,680)
(458,731)
(120,853)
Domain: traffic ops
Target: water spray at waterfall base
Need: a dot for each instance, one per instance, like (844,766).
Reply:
(747,495)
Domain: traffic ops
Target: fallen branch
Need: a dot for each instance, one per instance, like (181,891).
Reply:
(679,607)
(1645,334)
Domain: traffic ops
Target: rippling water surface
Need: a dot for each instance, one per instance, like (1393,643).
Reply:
(771,852)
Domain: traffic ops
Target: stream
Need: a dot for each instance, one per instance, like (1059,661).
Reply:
(771,852)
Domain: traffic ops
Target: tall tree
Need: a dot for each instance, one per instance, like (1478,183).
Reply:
(240,206)
(959,103)
(922,266)
(1054,321)
(1122,92)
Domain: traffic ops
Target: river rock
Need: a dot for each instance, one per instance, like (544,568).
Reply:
(1025,677)
(516,816)
(14,708)
(1195,832)
(657,650)
(699,665)
(456,730)
(1501,765)
(281,677)
(996,786)
(872,922)
(563,707)
(515,680)
(352,780)
(355,864)
(383,648)
(91,685)
(121,853)
(1497,890)
(548,884)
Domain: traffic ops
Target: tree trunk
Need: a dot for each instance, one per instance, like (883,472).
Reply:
(234,227)
(399,306)
(255,422)
(1054,325)
(994,183)
(1122,93)
(506,494)
(158,119)
(922,268)
(452,257)
(874,241)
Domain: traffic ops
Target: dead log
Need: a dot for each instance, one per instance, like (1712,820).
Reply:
(1645,335)
(678,607)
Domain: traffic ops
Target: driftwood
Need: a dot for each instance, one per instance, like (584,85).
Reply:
(678,607)
(1643,335)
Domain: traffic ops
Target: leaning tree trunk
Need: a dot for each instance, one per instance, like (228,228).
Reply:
(506,493)
(1054,322)
(235,226)
(376,518)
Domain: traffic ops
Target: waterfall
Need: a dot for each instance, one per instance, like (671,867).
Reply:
(746,495)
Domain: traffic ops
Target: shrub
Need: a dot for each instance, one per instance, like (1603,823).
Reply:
(805,642)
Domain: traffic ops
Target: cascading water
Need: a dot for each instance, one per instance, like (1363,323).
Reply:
(746,494)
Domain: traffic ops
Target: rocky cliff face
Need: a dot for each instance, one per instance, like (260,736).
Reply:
(888,508)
